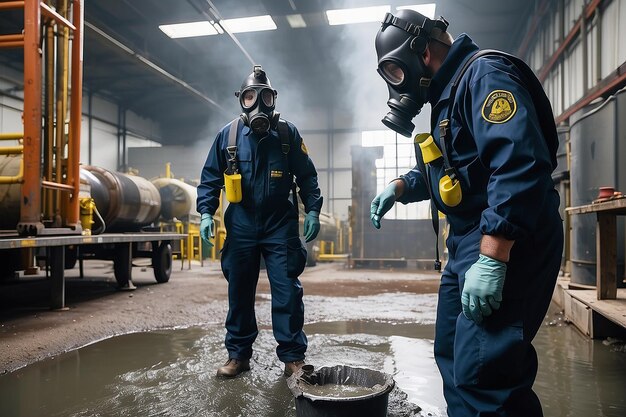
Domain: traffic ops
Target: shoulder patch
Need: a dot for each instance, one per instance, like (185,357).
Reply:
(499,106)
(303,148)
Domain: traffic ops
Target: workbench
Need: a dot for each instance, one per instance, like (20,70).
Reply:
(118,247)
(606,243)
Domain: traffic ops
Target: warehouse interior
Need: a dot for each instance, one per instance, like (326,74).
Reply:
(107,116)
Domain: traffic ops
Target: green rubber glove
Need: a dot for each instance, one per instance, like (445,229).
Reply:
(206,229)
(311,225)
(482,291)
(382,203)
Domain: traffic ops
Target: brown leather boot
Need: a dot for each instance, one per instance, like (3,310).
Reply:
(233,367)
(292,367)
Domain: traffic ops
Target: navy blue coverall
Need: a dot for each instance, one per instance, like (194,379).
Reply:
(505,171)
(264,223)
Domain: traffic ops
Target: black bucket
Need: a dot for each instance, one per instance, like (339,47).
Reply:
(340,391)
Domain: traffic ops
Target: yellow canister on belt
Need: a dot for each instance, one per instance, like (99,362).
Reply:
(450,191)
(232,184)
(430,150)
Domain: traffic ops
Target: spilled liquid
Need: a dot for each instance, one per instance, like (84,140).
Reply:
(172,373)
(338,391)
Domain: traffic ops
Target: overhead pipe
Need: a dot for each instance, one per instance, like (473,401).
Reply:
(155,68)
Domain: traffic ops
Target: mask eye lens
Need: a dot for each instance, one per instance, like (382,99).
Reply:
(248,98)
(392,73)
(267,96)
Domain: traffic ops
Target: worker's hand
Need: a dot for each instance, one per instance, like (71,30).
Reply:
(382,203)
(206,229)
(311,225)
(482,292)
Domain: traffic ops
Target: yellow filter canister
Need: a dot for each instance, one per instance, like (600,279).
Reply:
(450,191)
(430,150)
(232,184)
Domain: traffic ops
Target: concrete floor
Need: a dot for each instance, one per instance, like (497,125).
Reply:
(30,331)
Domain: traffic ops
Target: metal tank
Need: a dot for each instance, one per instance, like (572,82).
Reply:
(596,153)
(126,202)
(178,199)
(9,193)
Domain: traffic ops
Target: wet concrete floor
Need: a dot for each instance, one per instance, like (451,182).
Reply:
(171,372)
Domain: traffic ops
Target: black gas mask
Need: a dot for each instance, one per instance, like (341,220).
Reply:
(258,100)
(400,45)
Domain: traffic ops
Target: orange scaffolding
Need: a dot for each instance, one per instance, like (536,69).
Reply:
(49,175)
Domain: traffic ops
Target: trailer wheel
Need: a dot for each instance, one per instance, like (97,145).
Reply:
(162,262)
(71,256)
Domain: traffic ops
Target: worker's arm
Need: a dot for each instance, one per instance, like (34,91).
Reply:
(511,145)
(302,167)
(212,177)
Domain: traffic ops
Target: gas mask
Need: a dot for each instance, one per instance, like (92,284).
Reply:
(400,44)
(258,100)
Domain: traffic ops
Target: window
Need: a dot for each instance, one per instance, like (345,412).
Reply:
(398,158)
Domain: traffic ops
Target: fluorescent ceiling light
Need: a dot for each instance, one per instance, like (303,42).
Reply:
(249,24)
(296,21)
(188,30)
(357,15)
(427,9)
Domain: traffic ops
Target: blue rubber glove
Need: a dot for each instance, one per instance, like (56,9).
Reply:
(482,292)
(311,225)
(382,203)
(206,229)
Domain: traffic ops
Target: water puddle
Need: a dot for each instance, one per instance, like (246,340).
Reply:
(172,373)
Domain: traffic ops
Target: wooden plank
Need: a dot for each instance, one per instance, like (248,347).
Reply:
(614,310)
(617,205)
(606,253)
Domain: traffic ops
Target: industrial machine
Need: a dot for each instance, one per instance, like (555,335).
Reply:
(44,202)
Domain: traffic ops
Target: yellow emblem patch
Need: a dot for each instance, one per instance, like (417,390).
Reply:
(499,107)
(276,174)
(304,149)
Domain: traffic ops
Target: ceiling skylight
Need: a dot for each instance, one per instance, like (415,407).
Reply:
(296,21)
(427,9)
(357,15)
(188,30)
(249,24)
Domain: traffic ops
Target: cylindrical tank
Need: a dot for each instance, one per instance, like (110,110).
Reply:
(9,193)
(178,199)
(596,153)
(126,202)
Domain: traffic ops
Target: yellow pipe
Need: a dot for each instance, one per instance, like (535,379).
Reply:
(11,136)
(14,179)
(11,150)
(168,170)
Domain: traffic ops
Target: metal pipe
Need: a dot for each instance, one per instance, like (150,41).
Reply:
(51,14)
(76,104)
(48,107)
(7,5)
(56,186)
(12,179)
(61,107)
(157,69)
(30,209)
(12,44)
(11,150)
(11,136)
(9,38)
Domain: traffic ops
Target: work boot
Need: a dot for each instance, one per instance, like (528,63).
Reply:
(233,367)
(292,367)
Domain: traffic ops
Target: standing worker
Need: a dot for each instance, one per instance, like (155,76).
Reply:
(255,158)
(487,166)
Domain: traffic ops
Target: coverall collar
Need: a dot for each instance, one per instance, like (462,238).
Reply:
(460,51)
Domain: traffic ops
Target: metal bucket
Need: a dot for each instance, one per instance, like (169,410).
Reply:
(340,391)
